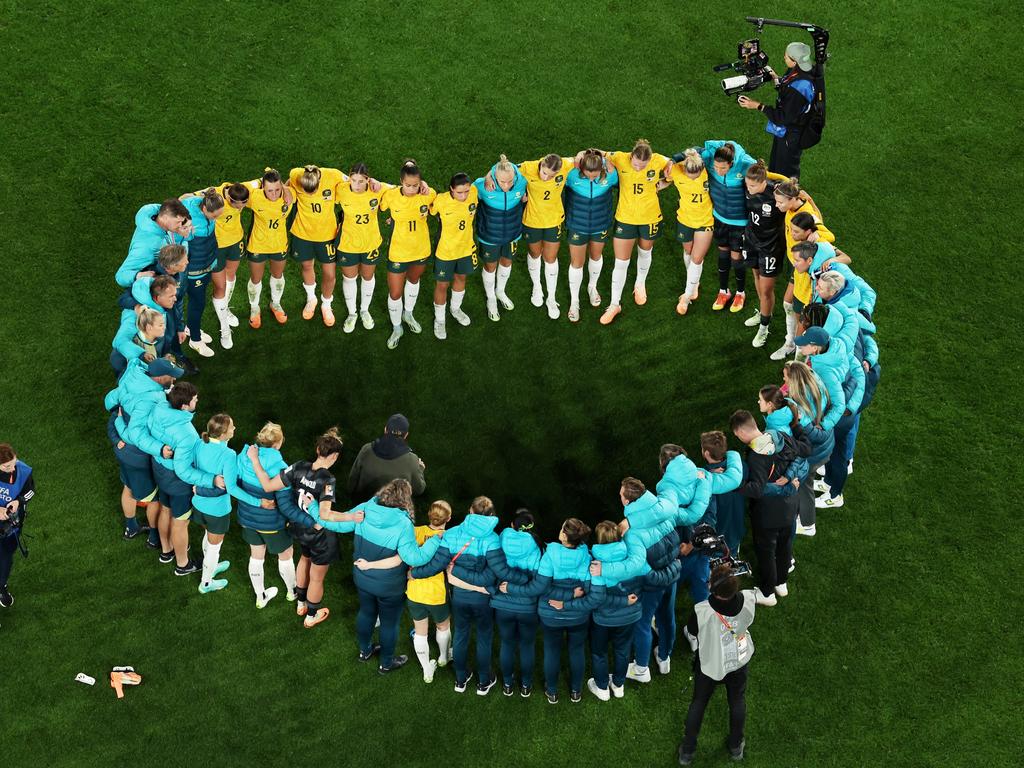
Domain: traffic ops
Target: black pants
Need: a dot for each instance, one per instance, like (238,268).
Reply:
(8,548)
(195,289)
(774,547)
(785,157)
(703,687)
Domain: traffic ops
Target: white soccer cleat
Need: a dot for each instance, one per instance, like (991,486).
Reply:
(225,338)
(828,501)
(639,674)
(506,302)
(753,320)
(350,323)
(440,332)
(537,297)
(232,318)
(395,337)
(492,311)
(553,311)
(410,321)
(770,600)
(460,317)
(202,348)
(574,313)
(595,296)
(783,352)
(268,594)
(781,590)
(428,673)
(760,337)
(366,319)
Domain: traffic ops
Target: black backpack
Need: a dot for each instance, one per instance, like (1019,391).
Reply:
(814,120)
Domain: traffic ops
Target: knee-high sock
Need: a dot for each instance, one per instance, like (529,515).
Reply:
(210,559)
(724,262)
(439,313)
(255,576)
(412,291)
(693,273)
(220,308)
(533,267)
(366,291)
(276,291)
(457,297)
(790,321)
(489,279)
(594,272)
(444,639)
(229,290)
(349,288)
(502,281)
(687,259)
(395,311)
(575,281)
(551,278)
(286,568)
(254,290)
(422,646)
(740,270)
(643,266)
(619,279)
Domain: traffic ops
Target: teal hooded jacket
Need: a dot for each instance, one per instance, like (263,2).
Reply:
(561,570)
(520,553)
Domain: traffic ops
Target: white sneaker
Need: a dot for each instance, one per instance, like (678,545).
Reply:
(460,317)
(592,687)
(553,312)
(760,337)
(770,600)
(664,665)
(350,323)
(232,318)
(574,313)
(428,673)
(753,320)
(440,332)
(492,311)
(783,352)
(810,530)
(828,501)
(537,297)
(366,319)
(781,590)
(268,594)
(595,297)
(202,348)
(640,674)
(396,335)
(849,468)
(204,337)
(820,486)
(618,691)
(225,338)
(690,639)
(506,302)
(409,320)
(821,471)
(792,565)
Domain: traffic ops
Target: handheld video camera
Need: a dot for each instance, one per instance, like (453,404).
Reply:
(706,541)
(752,64)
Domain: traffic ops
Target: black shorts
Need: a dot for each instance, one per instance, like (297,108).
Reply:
(321,547)
(767,261)
(728,236)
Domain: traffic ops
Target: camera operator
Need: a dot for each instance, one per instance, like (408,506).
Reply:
(789,116)
(719,627)
(17,487)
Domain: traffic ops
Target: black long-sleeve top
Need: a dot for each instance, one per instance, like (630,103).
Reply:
(791,104)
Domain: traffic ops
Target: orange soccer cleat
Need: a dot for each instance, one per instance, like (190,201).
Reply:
(721,301)
(640,295)
(321,615)
(328,315)
(683,304)
(255,321)
(122,676)
(613,311)
(279,315)
(309,310)
(737,303)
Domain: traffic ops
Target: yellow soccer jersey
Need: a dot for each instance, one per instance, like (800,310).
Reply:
(360,229)
(456,219)
(694,200)
(802,288)
(638,192)
(431,590)
(544,198)
(228,226)
(269,233)
(410,238)
(315,219)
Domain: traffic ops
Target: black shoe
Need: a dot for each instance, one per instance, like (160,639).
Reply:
(737,754)
(525,691)
(484,688)
(461,687)
(190,567)
(575,697)
(6,598)
(552,697)
(397,662)
(152,544)
(508,690)
(685,758)
(166,557)
(130,533)
(372,652)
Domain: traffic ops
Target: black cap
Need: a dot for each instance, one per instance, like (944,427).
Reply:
(397,425)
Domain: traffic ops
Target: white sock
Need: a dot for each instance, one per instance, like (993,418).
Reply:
(575,281)
(412,291)
(276,291)
(204,544)
(619,280)
(439,313)
(327,300)
(503,275)
(551,278)
(366,292)
(457,297)
(395,311)
(489,285)
(422,646)
(229,290)
(443,637)
(790,321)
(348,290)
(220,308)
(687,259)
(533,267)
(286,568)
(256,576)
(310,290)
(210,559)
(643,266)
(254,290)
(693,273)
(594,267)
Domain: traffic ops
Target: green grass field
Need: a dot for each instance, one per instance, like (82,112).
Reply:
(896,646)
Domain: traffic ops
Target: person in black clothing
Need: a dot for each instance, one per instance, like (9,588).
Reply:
(771,515)
(17,487)
(764,245)
(787,119)
(385,459)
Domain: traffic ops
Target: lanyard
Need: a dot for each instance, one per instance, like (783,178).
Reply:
(726,625)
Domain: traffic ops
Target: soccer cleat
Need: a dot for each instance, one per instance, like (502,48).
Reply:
(366,319)
(409,320)
(664,665)
(460,317)
(327,313)
(482,689)
(6,598)
(309,310)
(820,486)
(202,348)
(321,615)
(603,695)
(279,314)
(301,609)
(397,662)
(809,530)
(268,595)
(640,674)
(131,533)
(122,676)
(553,312)
(396,335)
(166,557)
(721,300)
(492,311)
(374,650)
(290,596)
(506,302)
(613,311)
(537,297)
(618,691)
(232,318)
(595,296)
(754,319)
(574,313)
(461,687)
(428,673)
(184,570)
(551,697)
(525,691)
(683,304)
(783,352)
(781,590)
(828,501)
(350,323)
(256,320)
(640,295)
(226,341)
(508,690)
(222,566)
(575,696)
(440,332)
(737,302)
(761,599)
(213,585)
(760,337)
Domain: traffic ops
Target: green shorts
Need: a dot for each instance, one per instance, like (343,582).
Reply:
(445,269)
(421,611)
(212,523)
(354,259)
(228,253)
(542,234)
(276,542)
(259,258)
(684,234)
(304,250)
(401,267)
(491,253)
(637,231)
(798,306)
(582,238)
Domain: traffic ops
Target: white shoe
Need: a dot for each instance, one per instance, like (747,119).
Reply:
(350,323)
(770,600)
(792,565)
(537,297)
(783,352)
(640,674)
(460,317)
(690,639)
(849,468)
(205,337)
(202,348)
(268,594)
(781,590)
(821,471)
(760,337)
(225,338)
(592,687)
(428,673)
(396,335)
(820,486)
(409,320)
(664,665)
(618,691)
(440,332)
(574,313)
(828,501)
(595,297)
(809,530)
(753,320)
(232,319)
(506,302)
(366,319)
(492,311)
(553,312)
